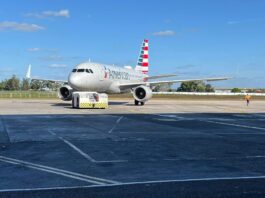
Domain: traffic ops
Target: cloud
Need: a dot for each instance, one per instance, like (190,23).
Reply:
(58,66)
(245,21)
(232,22)
(35,49)
(22,27)
(164,33)
(47,14)
(51,58)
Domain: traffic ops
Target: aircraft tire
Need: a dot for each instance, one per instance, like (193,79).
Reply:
(73,103)
(136,102)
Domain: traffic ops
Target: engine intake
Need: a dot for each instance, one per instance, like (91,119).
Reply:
(65,93)
(142,93)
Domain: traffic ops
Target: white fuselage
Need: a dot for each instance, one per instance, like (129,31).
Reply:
(102,78)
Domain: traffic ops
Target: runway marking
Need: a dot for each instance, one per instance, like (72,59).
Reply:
(74,147)
(216,158)
(221,119)
(193,179)
(143,182)
(239,133)
(5,128)
(170,116)
(166,119)
(115,125)
(73,175)
(236,125)
(83,153)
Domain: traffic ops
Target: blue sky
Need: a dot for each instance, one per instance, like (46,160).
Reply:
(192,38)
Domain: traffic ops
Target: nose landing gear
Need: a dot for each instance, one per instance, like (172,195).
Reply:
(136,103)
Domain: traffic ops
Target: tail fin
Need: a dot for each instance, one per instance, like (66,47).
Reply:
(28,75)
(142,64)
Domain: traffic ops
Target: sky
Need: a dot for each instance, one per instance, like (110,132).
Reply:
(191,38)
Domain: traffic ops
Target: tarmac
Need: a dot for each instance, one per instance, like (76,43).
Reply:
(167,148)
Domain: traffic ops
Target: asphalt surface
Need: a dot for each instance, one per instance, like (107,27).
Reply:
(132,154)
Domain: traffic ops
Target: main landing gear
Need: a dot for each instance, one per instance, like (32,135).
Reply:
(136,103)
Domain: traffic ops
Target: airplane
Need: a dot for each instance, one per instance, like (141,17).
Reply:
(103,78)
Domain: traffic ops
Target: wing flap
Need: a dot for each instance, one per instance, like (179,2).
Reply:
(160,76)
(50,80)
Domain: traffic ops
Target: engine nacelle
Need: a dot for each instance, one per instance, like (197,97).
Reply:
(142,93)
(65,93)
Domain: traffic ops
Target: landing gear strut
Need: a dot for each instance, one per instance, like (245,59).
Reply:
(136,102)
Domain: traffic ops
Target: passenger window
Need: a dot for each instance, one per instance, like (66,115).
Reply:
(74,70)
(91,71)
(87,71)
(81,70)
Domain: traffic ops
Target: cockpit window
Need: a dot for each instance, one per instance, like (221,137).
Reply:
(81,70)
(74,70)
(89,71)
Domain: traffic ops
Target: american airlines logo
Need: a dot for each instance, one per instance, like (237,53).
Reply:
(118,75)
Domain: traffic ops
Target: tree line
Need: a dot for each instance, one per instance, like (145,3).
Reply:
(15,84)
(193,86)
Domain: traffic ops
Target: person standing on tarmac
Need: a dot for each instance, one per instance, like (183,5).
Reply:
(247,98)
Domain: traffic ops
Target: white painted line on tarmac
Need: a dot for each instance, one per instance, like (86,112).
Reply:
(83,153)
(74,147)
(239,133)
(167,119)
(115,125)
(118,121)
(190,180)
(77,150)
(142,182)
(236,125)
(57,173)
(73,175)
(216,158)
(170,116)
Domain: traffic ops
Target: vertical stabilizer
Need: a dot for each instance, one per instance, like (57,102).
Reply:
(142,64)
(28,75)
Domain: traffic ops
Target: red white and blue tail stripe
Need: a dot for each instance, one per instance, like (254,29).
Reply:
(142,64)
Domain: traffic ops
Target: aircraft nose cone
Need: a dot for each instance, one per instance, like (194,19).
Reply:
(74,81)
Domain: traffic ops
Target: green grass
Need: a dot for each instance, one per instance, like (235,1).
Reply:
(28,94)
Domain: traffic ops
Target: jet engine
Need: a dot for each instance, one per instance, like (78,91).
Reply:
(142,94)
(65,93)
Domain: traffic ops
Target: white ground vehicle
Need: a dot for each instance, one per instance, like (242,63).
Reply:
(91,100)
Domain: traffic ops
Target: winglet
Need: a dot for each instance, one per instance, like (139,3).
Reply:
(28,75)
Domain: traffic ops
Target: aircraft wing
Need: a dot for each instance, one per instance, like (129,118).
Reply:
(150,83)
(28,76)
(160,76)
(50,80)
